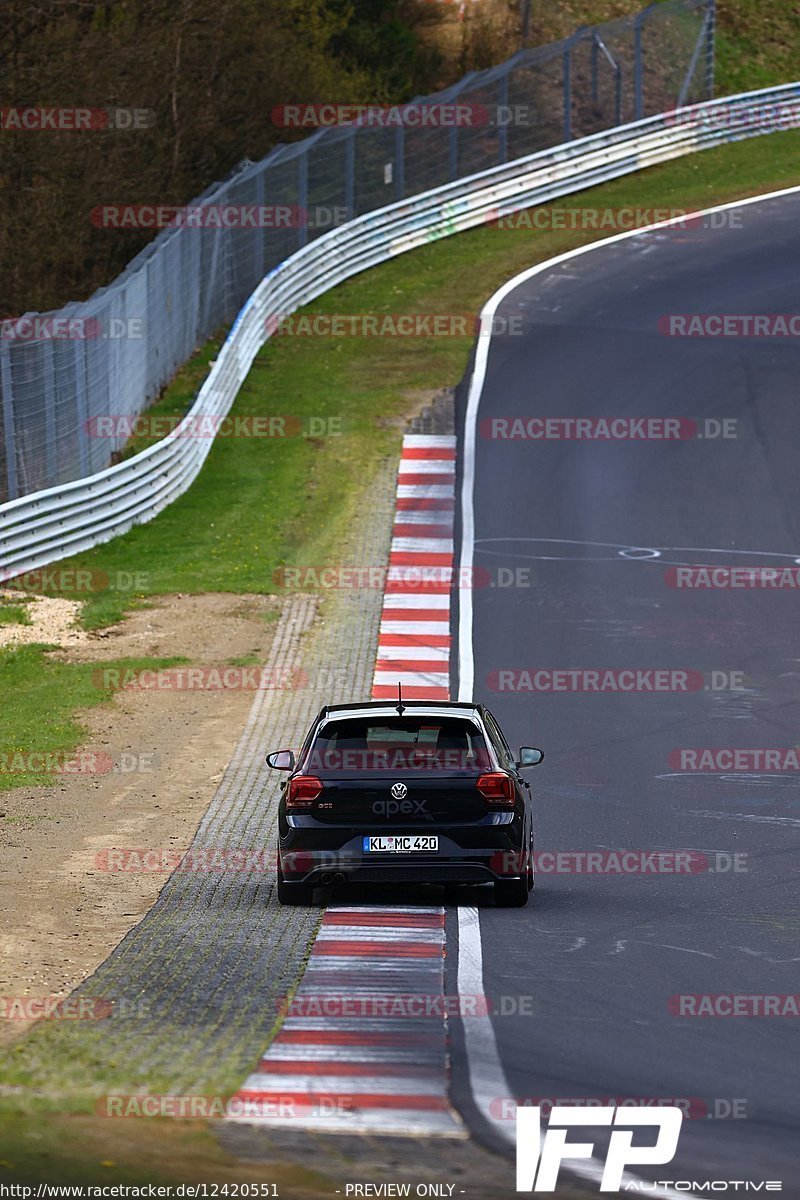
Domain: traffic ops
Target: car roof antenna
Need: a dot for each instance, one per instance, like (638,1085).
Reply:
(400,706)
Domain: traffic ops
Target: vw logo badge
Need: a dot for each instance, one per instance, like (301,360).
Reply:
(399,791)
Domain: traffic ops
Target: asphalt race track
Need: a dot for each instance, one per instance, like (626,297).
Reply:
(588,532)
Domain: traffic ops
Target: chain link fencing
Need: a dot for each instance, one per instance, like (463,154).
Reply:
(72,382)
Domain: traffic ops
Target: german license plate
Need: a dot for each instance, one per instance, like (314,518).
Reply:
(400,844)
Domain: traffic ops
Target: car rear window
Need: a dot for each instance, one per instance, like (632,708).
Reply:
(399,744)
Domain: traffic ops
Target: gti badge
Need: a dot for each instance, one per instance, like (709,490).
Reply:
(399,791)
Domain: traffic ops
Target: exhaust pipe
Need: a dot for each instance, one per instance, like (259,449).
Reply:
(339,877)
(326,878)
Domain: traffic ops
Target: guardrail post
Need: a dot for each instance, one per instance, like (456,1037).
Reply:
(8,421)
(51,461)
(302,198)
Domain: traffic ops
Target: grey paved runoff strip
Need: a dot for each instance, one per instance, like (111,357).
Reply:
(202,976)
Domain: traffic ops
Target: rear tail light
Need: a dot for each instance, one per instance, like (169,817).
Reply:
(302,791)
(497,789)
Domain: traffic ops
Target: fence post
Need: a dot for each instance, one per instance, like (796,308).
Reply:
(453,152)
(350,173)
(711,50)
(8,420)
(399,162)
(80,407)
(262,233)
(525,24)
(700,45)
(638,78)
(302,197)
(211,288)
(51,462)
(502,127)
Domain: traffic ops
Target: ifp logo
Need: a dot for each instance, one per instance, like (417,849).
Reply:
(539,1157)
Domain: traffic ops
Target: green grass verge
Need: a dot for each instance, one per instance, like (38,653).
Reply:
(46,695)
(86,1150)
(758,45)
(758,41)
(13,614)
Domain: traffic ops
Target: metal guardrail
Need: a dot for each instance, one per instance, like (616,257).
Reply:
(41,528)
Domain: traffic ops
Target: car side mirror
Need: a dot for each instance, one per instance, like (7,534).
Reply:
(281,760)
(529,756)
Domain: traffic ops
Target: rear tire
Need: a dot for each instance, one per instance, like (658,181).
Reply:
(511,893)
(294,893)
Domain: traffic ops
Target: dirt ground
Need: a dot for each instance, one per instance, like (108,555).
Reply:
(62,912)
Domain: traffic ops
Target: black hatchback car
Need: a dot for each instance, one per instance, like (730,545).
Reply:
(407,792)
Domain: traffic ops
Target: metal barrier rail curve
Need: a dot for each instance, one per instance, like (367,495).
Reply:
(43,527)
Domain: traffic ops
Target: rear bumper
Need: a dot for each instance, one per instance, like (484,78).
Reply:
(452,864)
(409,873)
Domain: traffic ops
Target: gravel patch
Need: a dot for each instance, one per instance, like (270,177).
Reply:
(54,621)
